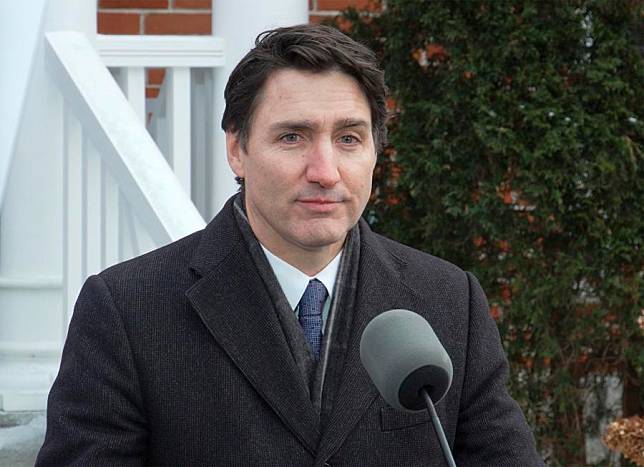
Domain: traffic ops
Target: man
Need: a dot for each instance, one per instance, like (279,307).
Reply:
(238,345)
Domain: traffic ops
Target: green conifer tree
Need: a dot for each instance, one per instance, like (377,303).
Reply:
(516,150)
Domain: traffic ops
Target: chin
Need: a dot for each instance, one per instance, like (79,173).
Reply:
(319,238)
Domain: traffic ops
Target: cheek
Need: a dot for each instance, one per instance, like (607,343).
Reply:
(359,178)
(258,170)
(272,181)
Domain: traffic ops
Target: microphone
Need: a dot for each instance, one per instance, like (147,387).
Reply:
(402,355)
(408,365)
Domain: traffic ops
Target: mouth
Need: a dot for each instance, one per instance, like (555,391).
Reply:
(318,200)
(319,204)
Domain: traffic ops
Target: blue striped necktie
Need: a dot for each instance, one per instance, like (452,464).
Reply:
(310,315)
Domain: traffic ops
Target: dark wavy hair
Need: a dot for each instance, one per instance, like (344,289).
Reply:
(306,47)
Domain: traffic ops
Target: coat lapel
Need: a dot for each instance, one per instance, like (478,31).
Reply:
(234,304)
(379,289)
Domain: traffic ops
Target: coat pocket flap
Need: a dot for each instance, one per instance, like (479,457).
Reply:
(394,419)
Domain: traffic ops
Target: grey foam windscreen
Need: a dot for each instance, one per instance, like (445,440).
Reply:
(402,354)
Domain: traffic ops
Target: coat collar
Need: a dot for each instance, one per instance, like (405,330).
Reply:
(217,241)
(232,301)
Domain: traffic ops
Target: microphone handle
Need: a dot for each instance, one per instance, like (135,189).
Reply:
(447,453)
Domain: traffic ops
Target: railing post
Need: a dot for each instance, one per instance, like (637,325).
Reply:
(110,219)
(129,243)
(131,80)
(178,118)
(92,204)
(72,213)
(202,127)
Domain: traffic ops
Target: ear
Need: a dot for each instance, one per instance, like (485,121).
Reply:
(234,153)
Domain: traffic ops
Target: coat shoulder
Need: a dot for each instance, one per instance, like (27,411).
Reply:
(167,265)
(420,266)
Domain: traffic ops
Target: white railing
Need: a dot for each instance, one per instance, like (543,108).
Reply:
(163,114)
(121,195)
(181,119)
(121,198)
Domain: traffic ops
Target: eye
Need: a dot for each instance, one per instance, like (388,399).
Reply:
(348,139)
(290,138)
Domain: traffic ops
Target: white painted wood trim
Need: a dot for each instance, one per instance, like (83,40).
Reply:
(20,35)
(30,349)
(161,51)
(72,214)
(130,154)
(158,124)
(35,283)
(130,231)
(201,128)
(110,219)
(93,215)
(179,125)
(132,83)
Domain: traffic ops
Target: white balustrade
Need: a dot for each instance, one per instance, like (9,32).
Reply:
(121,198)
(172,125)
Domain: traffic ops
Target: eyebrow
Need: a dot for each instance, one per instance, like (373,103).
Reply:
(311,125)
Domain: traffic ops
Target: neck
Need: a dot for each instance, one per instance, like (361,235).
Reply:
(310,262)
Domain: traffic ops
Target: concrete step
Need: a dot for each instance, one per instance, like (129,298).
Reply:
(25,382)
(21,435)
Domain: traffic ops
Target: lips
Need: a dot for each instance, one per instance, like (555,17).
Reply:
(319,204)
(318,201)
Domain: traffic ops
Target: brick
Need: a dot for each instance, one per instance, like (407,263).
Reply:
(321,19)
(177,23)
(133,4)
(152,93)
(344,4)
(339,22)
(118,23)
(156,76)
(196,4)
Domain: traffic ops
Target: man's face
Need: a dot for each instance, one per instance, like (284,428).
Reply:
(308,163)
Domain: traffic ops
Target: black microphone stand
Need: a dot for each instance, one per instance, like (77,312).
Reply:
(438,428)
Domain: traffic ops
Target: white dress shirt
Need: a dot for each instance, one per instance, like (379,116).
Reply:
(294,282)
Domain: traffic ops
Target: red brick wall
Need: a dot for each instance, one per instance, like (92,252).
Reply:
(319,10)
(188,16)
(185,17)
(154,16)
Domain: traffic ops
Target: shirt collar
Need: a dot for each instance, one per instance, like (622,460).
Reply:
(294,282)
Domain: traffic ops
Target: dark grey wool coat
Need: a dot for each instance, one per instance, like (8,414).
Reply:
(177,358)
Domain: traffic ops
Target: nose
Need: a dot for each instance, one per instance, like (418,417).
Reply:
(322,165)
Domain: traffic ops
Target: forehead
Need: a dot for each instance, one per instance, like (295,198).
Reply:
(325,97)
